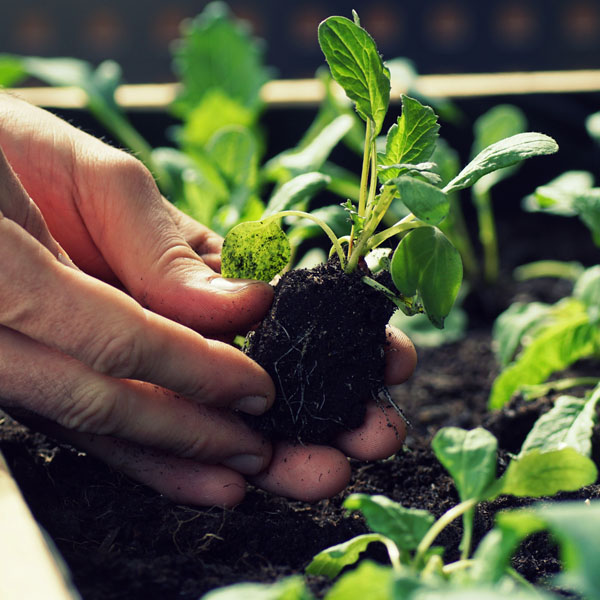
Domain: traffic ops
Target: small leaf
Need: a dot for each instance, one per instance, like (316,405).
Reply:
(537,474)
(404,526)
(427,202)
(554,349)
(469,457)
(502,154)
(356,65)
(303,187)
(426,264)
(368,580)
(255,250)
(568,424)
(412,139)
(331,561)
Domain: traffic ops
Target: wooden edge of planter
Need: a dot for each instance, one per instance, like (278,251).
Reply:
(310,92)
(28,567)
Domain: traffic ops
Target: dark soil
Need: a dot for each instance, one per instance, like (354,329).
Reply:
(322,321)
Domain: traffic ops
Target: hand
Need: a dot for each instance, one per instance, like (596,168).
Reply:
(136,387)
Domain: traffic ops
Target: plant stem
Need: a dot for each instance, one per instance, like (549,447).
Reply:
(487,234)
(364,182)
(440,525)
(458,565)
(549,268)
(531,392)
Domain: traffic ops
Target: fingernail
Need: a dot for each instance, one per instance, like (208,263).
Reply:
(247,464)
(231,285)
(253,405)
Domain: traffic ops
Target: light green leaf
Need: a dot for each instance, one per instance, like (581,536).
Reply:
(311,156)
(12,70)
(502,154)
(290,588)
(515,322)
(412,139)
(556,197)
(301,188)
(568,424)
(302,229)
(217,51)
(426,265)
(587,289)
(356,65)
(234,150)
(576,527)
(587,206)
(368,580)
(255,250)
(404,526)
(537,474)
(469,457)
(331,561)
(554,349)
(427,202)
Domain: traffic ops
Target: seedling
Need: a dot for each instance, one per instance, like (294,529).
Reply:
(425,267)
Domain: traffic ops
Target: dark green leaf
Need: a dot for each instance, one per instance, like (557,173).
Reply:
(536,474)
(331,561)
(469,457)
(404,526)
(412,139)
(356,65)
(502,154)
(425,264)
(255,250)
(427,202)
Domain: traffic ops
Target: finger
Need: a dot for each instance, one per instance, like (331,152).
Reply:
(105,329)
(400,357)
(307,473)
(70,394)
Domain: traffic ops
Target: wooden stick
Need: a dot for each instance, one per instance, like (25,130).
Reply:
(28,569)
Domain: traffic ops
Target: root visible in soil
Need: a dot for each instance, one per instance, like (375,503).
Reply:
(323,345)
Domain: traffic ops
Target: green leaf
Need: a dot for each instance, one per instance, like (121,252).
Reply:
(587,289)
(217,51)
(425,264)
(412,139)
(331,561)
(302,229)
(312,156)
(568,424)
(502,154)
(427,202)
(12,70)
(290,588)
(404,526)
(469,457)
(592,124)
(516,321)
(535,474)
(356,65)
(556,197)
(255,250)
(368,580)
(587,206)
(484,593)
(554,349)
(576,527)
(235,151)
(301,188)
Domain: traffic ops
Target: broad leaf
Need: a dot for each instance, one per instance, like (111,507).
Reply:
(356,65)
(368,580)
(290,588)
(537,474)
(557,347)
(233,149)
(427,202)
(331,561)
(503,154)
(426,265)
(412,139)
(255,250)
(404,526)
(515,322)
(217,52)
(303,187)
(469,457)
(568,424)
(556,197)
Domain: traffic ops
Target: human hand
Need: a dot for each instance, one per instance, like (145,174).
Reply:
(145,394)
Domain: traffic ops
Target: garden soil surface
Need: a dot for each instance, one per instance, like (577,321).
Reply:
(121,540)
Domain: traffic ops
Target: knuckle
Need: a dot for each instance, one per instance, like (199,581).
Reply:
(197,447)
(119,355)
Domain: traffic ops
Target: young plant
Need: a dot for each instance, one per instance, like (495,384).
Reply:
(553,458)
(425,267)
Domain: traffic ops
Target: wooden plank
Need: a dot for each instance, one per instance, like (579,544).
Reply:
(310,92)
(28,569)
